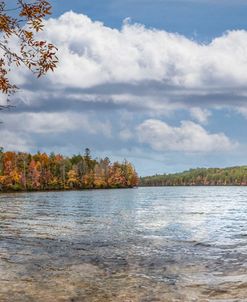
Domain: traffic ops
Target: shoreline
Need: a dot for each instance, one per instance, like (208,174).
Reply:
(108,189)
(65,190)
(169,186)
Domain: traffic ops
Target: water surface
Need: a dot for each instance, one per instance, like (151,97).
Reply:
(137,245)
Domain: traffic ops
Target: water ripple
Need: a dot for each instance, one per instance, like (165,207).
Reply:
(150,244)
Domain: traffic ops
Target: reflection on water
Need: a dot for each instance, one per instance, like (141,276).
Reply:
(140,245)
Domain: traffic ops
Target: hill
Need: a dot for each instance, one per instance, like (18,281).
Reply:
(232,176)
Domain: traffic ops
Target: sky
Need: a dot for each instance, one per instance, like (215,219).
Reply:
(160,83)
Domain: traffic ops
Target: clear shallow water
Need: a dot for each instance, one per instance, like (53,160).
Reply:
(146,244)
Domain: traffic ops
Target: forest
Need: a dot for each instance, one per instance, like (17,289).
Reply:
(36,172)
(233,176)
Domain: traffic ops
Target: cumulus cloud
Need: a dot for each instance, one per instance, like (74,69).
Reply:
(189,137)
(145,67)
(93,54)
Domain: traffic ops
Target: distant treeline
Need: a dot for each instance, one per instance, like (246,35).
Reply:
(27,172)
(235,176)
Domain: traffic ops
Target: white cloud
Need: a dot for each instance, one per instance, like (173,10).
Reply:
(3,99)
(242,110)
(126,134)
(200,115)
(189,137)
(14,141)
(92,54)
(164,67)
(55,123)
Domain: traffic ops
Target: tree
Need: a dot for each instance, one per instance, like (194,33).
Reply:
(34,175)
(72,178)
(23,171)
(18,27)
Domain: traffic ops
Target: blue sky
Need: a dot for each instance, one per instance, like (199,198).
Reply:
(165,89)
(201,19)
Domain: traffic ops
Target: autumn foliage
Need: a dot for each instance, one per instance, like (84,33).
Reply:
(27,172)
(18,44)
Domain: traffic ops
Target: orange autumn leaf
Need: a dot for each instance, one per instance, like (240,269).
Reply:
(38,56)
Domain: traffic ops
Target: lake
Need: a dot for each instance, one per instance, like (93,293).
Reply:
(147,244)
